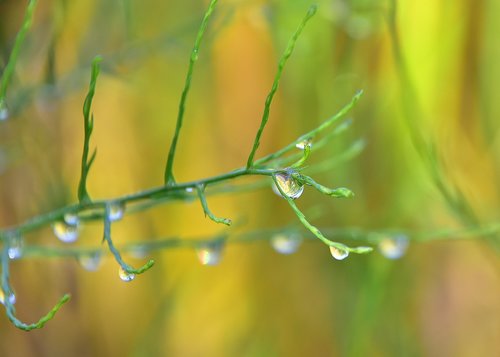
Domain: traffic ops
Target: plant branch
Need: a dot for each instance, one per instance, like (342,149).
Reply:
(201,194)
(270,96)
(169,175)
(88,125)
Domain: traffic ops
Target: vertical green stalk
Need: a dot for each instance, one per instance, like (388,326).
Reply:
(88,125)
(270,96)
(11,63)
(169,175)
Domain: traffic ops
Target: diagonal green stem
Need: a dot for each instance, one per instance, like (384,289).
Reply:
(169,175)
(11,63)
(201,194)
(270,96)
(114,250)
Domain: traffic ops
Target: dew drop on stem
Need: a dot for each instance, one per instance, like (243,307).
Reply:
(124,276)
(66,233)
(71,219)
(339,253)
(116,211)
(393,247)
(289,185)
(12,298)
(210,253)
(286,243)
(16,246)
(90,261)
(303,144)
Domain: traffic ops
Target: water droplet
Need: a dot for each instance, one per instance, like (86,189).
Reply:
(116,211)
(4,111)
(339,253)
(66,233)
(290,186)
(394,247)
(210,253)
(71,219)
(303,144)
(16,245)
(286,243)
(125,276)
(12,298)
(189,189)
(194,55)
(91,261)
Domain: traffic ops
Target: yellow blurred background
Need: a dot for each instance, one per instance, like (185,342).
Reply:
(429,118)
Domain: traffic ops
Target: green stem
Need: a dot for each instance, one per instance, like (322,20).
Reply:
(107,237)
(169,175)
(11,63)
(201,194)
(270,96)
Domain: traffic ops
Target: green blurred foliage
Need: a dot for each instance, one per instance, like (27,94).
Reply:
(441,299)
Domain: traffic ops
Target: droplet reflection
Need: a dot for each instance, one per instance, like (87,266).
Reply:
(66,233)
(210,253)
(393,247)
(286,243)
(125,276)
(290,186)
(116,211)
(339,253)
(12,298)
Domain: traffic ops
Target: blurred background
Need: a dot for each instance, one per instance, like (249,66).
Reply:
(429,119)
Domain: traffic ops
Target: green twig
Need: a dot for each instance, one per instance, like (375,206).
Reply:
(9,307)
(314,230)
(201,194)
(107,237)
(169,175)
(11,63)
(270,96)
(88,125)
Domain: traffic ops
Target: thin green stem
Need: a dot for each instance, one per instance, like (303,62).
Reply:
(88,125)
(11,63)
(201,194)
(314,230)
(9,307)
(169,175)
(107,237)
(270,96)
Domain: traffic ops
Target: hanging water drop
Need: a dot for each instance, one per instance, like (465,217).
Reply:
(90,261)
(72,219)
(303,144)
(290,186)
(339,253)
(189,189)
(210,253)
(66,233)
(4,111)
(286,243)
(393,247)
(16,245)
(116,211)
(125,276)
(12,298)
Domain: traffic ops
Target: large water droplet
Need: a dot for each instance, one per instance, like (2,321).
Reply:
(116,211)
(394,247)
(125,276)
(16,246)
(91,261)
(339,253)
(290,186)
(71,219)
(210,253)
(4,111)
(66,233)
(303,144)
(12,298)
(189,189)
(286,243)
